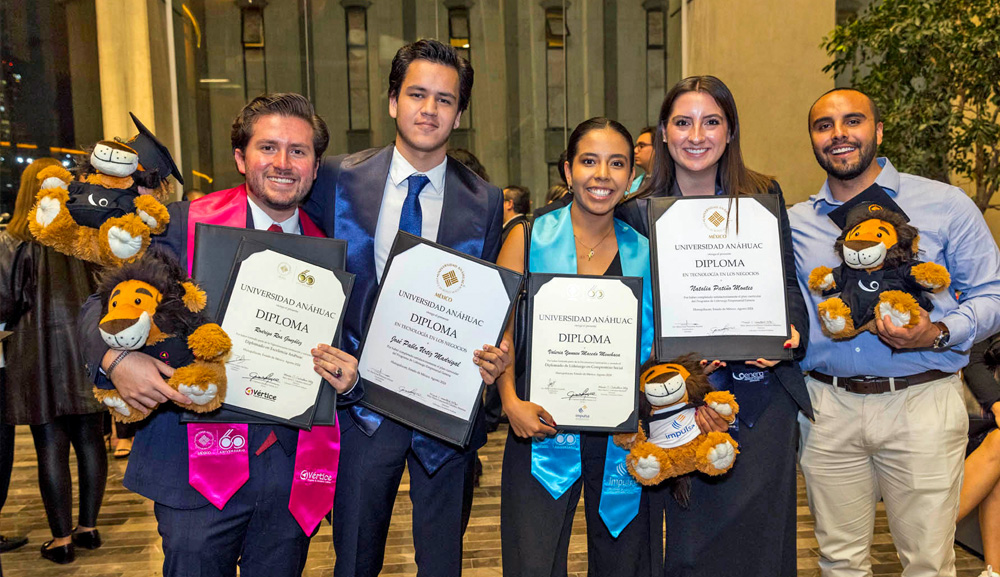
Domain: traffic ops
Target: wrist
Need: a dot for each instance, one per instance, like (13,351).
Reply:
(943,336)
(118,359)
(108,358)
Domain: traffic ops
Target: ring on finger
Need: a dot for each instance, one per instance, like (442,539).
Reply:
(338,373)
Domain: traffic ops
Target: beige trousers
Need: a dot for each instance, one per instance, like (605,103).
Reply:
(906,448)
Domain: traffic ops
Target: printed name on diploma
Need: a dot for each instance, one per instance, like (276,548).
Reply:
(425,351)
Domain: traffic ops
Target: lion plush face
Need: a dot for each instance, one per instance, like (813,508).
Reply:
(867,244)
(666,384)
(876,238)
(129,323)
(147,301)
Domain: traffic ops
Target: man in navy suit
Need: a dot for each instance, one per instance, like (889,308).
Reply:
(366,198)
(278,142)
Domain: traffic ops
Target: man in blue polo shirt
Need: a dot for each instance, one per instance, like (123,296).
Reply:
(890,421)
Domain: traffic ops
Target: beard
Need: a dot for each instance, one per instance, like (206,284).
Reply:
(852,170)
(257,186)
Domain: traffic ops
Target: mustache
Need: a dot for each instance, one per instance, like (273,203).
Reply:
(856,145)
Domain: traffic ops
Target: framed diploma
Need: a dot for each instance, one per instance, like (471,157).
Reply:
(435,306)
(215,249)
(276,309)
(719,292)
(584,336)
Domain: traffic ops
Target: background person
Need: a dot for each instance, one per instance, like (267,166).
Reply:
(643,157)
(747,517)
(981,478)
(45,386)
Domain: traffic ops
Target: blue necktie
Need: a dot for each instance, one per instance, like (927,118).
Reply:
(411,219)
(430,452)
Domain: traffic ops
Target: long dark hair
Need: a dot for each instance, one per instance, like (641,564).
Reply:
(734,175)
(596,123)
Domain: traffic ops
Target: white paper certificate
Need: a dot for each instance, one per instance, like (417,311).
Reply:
(279,309)
(713,281)
(434,309)
(584,341)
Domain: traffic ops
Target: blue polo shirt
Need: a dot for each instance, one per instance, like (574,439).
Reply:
(952,233)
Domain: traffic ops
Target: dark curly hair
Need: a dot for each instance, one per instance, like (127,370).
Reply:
(160,270)
(905,249)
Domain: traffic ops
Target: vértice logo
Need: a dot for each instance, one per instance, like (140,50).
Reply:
(450,278)
(317,476)
(714,219)
(258,394)
(284,269)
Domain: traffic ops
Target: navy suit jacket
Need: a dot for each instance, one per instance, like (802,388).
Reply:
(634,212)
(158,464)
(345,202)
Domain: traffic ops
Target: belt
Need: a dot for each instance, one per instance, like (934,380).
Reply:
(866,385)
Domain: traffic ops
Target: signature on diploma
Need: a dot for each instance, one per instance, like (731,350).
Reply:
(581,396)
(408,392)
(551,385)
(238,362)
(687,325)
(256,378)
(722,329)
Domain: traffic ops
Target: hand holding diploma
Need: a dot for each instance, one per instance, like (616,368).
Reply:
(492,361)
(336,367)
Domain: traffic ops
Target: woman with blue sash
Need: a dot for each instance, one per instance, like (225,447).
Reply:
(747,517)
(544,472)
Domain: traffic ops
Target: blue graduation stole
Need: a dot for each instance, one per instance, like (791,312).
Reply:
(555,461)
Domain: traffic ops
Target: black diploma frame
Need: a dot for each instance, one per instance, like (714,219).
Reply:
(535,282)
(417,415)
(215,265)
(728,347)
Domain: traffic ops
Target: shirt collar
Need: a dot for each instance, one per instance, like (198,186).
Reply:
(400,169)
(261,221)
(888,179)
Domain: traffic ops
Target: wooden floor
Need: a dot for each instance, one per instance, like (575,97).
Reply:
(132,546)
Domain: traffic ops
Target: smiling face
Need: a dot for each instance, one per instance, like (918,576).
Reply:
(671,391)
(601,171)
(279,163)
(696,134)
(426,109)
(845,136)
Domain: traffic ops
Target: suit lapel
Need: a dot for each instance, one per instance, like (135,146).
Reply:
(463,226)
(359,193)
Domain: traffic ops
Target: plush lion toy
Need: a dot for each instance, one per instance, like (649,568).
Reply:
(107,215)
(151,305)
(674,445)
(880,275)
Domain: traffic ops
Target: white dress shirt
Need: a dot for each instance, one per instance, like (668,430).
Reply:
(261,221)
(396,188)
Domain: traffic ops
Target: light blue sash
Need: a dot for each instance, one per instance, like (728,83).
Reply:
(555,461)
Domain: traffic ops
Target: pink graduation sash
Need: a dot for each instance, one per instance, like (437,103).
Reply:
(218,456)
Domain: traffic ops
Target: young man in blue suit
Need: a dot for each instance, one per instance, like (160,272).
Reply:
(366,198)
